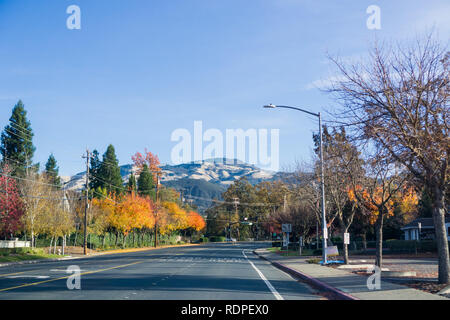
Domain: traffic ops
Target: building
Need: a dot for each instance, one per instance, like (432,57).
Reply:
(423,229)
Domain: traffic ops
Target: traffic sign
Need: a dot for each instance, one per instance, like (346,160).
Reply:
(346,238)
(286,227)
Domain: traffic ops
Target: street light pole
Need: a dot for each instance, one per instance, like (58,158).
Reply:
(322,182)
(322,187)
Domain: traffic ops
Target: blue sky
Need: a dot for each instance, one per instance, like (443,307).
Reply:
(139,69)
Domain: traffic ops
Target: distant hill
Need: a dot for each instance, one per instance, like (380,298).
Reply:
(199,181)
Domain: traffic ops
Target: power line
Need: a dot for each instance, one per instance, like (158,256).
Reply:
(43,198)
(11,132)
(256,204)
(22,129)
(25,179)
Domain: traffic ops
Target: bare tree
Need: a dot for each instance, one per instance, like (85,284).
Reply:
(399,100)
(343,169)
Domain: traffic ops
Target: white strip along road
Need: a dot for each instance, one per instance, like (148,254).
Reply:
(267,282)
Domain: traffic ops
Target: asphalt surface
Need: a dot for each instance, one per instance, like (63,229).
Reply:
(222,271)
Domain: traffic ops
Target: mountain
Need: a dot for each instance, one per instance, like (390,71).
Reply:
(199,182)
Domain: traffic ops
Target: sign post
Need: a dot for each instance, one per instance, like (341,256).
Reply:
(286,228)
(300,245)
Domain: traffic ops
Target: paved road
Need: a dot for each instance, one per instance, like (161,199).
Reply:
(212,271)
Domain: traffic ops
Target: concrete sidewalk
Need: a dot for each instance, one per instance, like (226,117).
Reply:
(343,284)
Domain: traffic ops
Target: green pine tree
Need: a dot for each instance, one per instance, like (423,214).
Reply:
(425,205)
(109,172)
(132,186)
(52,171)
(16,142)
(146,185)
(94,169)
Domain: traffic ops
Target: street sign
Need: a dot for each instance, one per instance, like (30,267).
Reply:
(346,238)
(286,227)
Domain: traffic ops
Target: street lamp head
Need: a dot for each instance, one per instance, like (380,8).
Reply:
(271,106)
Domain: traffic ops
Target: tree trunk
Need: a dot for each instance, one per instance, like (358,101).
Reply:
(379,238)
(103,240)
(441,235)
(344,229)
(345,246)
(364,241)
(50,247)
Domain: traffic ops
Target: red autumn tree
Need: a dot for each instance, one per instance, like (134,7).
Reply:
(11,206)
(148,158)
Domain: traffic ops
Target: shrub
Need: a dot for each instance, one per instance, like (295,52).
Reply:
(314,260)
(277,244)
(217,239)
(203,239)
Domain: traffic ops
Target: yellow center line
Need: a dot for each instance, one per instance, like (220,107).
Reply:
(65,277)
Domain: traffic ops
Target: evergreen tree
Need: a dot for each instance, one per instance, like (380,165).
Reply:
(131,186)
(425,205)
(109,172)
(146,185)
(52,171)
(16,142)
(94,168)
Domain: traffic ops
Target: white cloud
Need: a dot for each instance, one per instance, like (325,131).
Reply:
(324,83)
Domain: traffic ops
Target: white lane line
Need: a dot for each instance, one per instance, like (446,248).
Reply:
(269,285)
(28,276)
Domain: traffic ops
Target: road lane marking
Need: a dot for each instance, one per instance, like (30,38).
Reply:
(269,285)
(10,274)
(28,276)
(65,277)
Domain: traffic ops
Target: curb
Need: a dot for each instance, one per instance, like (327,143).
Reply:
(310,280)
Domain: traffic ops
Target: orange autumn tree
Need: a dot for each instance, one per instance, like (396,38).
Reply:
(196,221)
(136,214)
(379,200)
(407,204)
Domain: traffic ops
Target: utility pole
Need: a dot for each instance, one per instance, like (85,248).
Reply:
(322,184)
(156,220)
(87,157)
(236,203)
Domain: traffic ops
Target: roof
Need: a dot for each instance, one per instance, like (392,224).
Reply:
(425,223)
